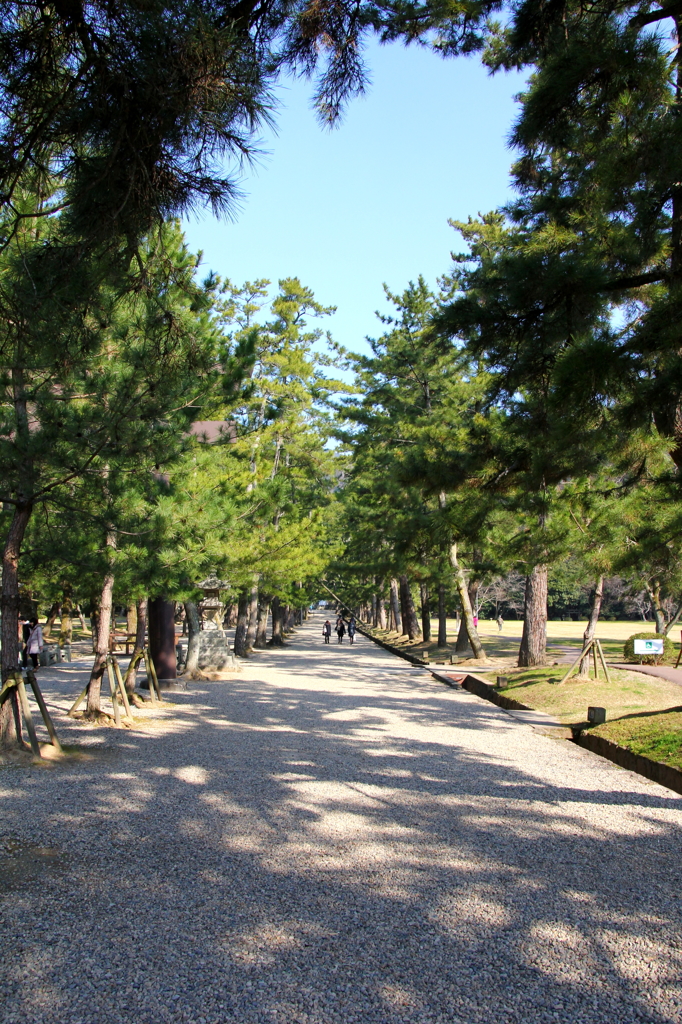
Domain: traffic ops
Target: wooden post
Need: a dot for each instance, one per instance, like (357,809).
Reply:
(121,687)
(155,680)
(603,661)
(594,659)
(154,691)
(79,700)
(30,675)
(112,689)
(26,712)
(585,651)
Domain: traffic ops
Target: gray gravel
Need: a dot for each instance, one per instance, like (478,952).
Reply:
(333,836)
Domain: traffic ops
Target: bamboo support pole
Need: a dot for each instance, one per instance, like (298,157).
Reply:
(7,689)
(28,718)
(595,648)
(154,689)
(37,693)
(147,663)
(112,689)
(603,661)
(79,700)
(121,688)
(582,654)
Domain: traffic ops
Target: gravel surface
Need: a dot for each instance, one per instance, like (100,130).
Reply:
(333,836)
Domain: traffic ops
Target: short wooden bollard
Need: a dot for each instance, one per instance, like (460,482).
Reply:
(501,682)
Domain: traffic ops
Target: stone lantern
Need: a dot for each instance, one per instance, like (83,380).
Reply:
(214,650)
(211,605)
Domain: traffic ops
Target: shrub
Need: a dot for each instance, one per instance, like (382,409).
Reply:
(653,659)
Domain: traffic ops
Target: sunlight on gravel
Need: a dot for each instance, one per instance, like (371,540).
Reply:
(333,837)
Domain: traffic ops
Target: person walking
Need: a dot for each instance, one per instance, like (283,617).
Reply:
(352,629)
(340,629)
(34,644)
(327,631)
(25,634)
(500,622)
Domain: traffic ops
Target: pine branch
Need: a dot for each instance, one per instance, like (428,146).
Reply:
(640,20)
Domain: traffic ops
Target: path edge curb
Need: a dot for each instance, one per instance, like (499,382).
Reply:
(656,771)
(412,658)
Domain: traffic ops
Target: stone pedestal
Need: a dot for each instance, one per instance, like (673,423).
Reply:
(214,650)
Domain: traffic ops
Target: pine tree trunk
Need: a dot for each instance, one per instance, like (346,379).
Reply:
(462,645)
(140,633)
(102,640)
(253,618)
(193,638)
(94,620)
(467,611)
(66,626)
(533,647)
(242,625)
(79,613)
(277,612)
(395,621)
(654,593)
(425,610)
(131,620)
(10,719)
(592,623)
(410,621)
(262,625)
(381,613)
(231,616)
(51,618)
(442,617)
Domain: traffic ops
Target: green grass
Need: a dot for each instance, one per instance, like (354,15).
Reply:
(628,693)
(657,735)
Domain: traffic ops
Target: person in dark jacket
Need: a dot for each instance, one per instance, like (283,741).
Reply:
(352,629)
(327,631)
(25,634)
(340,629)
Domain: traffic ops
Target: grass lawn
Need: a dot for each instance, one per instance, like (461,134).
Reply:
(563,638)
(629,693)
(657,735)
(643,713)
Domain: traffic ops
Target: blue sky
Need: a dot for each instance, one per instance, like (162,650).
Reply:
(368,202)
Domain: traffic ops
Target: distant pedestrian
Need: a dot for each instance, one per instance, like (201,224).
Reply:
(500,622)
(475,621)
(25,634)
(35,642)
(327,631)
(351,629)
(340,629)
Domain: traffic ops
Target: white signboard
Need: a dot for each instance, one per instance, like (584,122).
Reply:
(648,647)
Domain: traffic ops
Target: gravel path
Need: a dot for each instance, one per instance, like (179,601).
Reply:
(333,836)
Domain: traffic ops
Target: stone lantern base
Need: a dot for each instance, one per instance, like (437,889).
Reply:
(214,650)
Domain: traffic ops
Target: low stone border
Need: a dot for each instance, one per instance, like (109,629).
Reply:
(482,689)
(664,774)
(412,658)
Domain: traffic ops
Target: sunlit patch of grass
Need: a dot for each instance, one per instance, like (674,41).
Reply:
(657,736)
(627,693)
